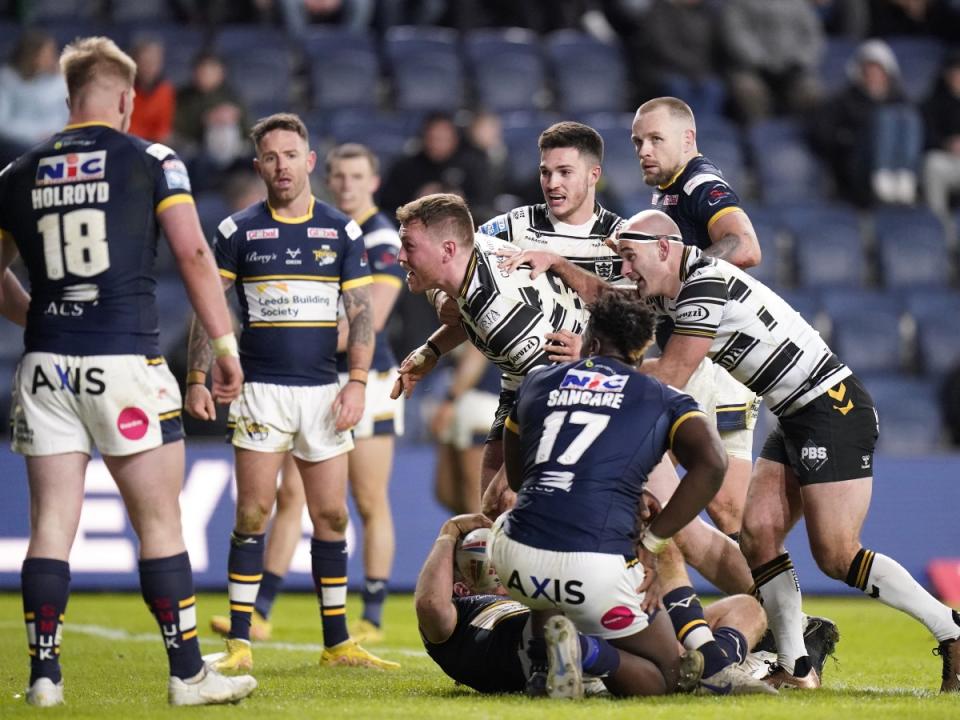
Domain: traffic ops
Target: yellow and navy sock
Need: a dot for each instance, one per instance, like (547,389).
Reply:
(244,573)
(374,594)
(45,585)
(597,656)
(693,632)
(329,562)
(267,594)
(167,588)
(732,642)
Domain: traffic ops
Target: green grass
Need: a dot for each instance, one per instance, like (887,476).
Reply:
(885,670)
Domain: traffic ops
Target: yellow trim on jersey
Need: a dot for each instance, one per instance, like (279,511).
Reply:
(293,220)
(29,616)
(366,215)
(356,282)
(333,580)
(384,416)
(293,324)
(177,199)
(677,174)
(227,274)
(92,123)
(155,361)
(695,333)
(169,415)
(5,235)
(682,419)
(468,276)
(723,212)
(391,280)
(510,425)
(186,602)
(733,408)
(315,278)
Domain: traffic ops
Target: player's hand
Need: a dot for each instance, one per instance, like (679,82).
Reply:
(199,402)
(413,369)
(611,242)
(563,346)
(442,419)
(498,497)
(227,379)
(538,260)
(348,405)
(448,312)
(650,507)
(653,597)
(460,525)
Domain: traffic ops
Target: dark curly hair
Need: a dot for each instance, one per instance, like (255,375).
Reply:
(623,320)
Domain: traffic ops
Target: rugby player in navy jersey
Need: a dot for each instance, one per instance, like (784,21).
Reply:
(292,259)
(578,446)
(816,463)
(485,640)
(84,209)
(352,173)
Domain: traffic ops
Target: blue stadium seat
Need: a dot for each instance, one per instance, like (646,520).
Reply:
(827,249)
(521,130)
(141,11)
(589,75)
(41,12)
(344,68)
(507,68)
(719,140)
(938,338)
(385,134)
(262,78)
(866,329)
(212,208)
(912,246)
(768,227)
(11,340)
(787,170)
(705,96)
(833,63)
(621,168)
(920,58)
(66,30)
(426,69)
(174,312)
(910,422)
(806,303)
(249,38)
(924,303)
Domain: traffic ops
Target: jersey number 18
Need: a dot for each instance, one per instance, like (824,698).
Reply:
(79,248)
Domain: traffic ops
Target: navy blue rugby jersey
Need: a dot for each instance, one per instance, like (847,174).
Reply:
(696,197)
(484,650)
(289,273)
(82,209)
(590,432)
(382,242)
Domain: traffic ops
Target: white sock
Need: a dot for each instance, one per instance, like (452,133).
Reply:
(779,590)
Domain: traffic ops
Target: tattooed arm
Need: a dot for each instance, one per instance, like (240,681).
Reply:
(358,307)
(732,238)
(199,402)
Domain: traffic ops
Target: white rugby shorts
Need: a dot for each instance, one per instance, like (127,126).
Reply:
(282,418)
(597,591)
(474,412)
(381,415)
(118,404)
(720,395)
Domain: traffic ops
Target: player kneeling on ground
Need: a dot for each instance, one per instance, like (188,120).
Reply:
(579,444)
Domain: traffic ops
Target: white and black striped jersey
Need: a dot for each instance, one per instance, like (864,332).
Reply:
(507,316)
(534,227)
(757,337)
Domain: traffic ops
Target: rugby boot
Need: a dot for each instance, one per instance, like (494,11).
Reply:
(564,673)
(350,654)
(781,679)
(260,627)
(238,657)
(209,688)
(734,680)
(691,671)
(44,692)
(820,637)
(364,631)
(949,652)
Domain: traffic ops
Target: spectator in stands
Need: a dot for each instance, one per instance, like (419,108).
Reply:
(847,18)
(940,18)
(443,160)
(941,164)
(297,15)
(31,95)
(485,136)
(871,132)
(210,120)
(156,97)
(773,48)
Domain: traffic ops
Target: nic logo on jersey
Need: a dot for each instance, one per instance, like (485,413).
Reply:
(597,382)
(75,167)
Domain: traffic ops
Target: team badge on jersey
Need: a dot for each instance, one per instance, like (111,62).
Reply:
(324,256)
(597,382)
(603,268)
(74,167)
(263,234)
(175,173)
(325,233)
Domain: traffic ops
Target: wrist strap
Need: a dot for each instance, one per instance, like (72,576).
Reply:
(358,375)
(196,377)
(432,347)
(225,345)
(653,543)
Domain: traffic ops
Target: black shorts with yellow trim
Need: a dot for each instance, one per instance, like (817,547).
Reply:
(830,439)
(508,398)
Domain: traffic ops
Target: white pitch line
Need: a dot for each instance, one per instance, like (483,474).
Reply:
(117,635)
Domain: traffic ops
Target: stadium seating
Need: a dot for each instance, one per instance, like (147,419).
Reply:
(507,69)
(521,130)
(589,75)
(262,78)
(141,11)
(426,70)
(833,63)
(40,12)
(212,208)
(913,248)
(919,59)
(827,250)
(621,168)
(386,134)
(344,68)
(768,227)
(719,140)
(866,329)
(909,415)
(705,96)
(787,170)
(806,303)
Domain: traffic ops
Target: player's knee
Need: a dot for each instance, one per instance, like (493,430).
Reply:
(332,518)
(252,519)
(834,558)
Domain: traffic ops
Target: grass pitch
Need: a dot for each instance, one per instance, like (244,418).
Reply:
(114,667)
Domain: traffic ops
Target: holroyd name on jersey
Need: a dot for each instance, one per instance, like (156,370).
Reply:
(78,194)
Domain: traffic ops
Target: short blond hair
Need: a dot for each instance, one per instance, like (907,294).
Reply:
(349,151)
(443,212)
(86,59)
(676,107)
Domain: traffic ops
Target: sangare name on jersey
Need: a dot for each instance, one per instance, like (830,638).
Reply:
(757,337)
(289,274)
(81,208)
(534,227)
(590,432)
(507,315)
